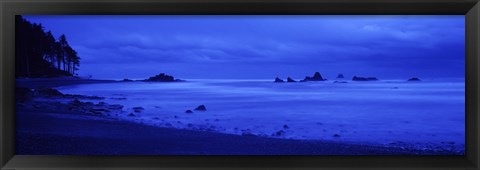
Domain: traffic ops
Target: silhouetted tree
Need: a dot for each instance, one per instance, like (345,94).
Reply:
(37,52)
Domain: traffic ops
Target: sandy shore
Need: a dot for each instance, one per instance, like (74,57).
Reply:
(64,132)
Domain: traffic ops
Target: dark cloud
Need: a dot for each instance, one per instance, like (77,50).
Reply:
(264,46)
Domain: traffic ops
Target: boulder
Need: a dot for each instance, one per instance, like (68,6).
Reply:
(278,80)
(355,78)
(340,76)
(316,77)
(76,103)
(128,80)
(138,109)
(188,111)
(201,108)
(414,79)
(115,107)
(279,133)
(48,92)
(290,80)
(23,94)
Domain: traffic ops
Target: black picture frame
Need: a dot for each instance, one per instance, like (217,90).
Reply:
(10,8)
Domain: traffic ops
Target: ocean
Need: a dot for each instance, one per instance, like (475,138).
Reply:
(387,112)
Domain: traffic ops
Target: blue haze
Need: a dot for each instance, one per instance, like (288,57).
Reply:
(263,47)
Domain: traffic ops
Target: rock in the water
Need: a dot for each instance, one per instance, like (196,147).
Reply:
(162,77)
(131,115)
(340,76)
(290,80)
(414,79)
(138,109)
(355,78)
(278,80)
(340,82)
(316,77)
(201,108)
(128,80)
(336,135)
(115,107)
(285,126)
(188,111)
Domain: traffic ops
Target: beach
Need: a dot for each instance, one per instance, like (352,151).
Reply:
(63,130)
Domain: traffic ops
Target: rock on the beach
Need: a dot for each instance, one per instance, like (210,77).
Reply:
(48,92)
(355,78)
(138,109)
(75,102)
(115,107)
(290,80)
(414,79)
(98,111)
(248,134)
(23,94)
(188,111)
(279,133)
(340,76)
(201,108)
(340,82)
(278,80)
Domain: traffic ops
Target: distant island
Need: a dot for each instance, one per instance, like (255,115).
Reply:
(162,77)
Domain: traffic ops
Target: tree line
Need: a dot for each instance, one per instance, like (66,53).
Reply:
(39,54)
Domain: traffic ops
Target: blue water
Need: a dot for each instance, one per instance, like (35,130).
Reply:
(380,112)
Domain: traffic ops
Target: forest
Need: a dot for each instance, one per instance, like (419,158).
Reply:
(39,54)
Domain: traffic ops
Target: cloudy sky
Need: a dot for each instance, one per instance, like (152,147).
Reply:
(263,47)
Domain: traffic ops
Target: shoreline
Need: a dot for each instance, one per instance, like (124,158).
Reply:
(93,135)
(180,141)
(34,83)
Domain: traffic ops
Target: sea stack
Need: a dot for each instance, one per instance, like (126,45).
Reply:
(201,108)
(355,78)
(290,80)
(340,76)
(316,77)
(414,79)
(162,77)
(278,80)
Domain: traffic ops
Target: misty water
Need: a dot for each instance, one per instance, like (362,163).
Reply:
(378,112)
